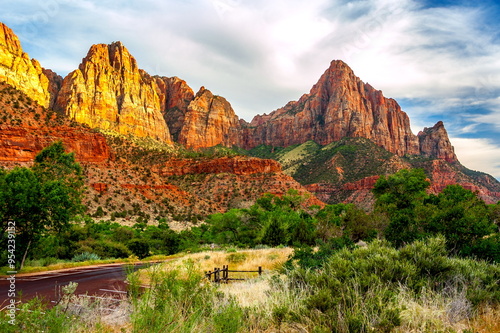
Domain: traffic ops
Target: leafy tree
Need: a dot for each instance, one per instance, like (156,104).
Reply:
(274,234)
(43,198)
(302,232)
(53,164)
(329,221)
(358,225)
(400,196)
(461,217)
(226,226)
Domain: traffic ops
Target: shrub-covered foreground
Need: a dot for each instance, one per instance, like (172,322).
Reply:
(376,288)
(381,288)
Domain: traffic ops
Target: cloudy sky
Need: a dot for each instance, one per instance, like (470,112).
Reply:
(439,59)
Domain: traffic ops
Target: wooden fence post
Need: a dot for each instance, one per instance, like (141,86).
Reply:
(260,270)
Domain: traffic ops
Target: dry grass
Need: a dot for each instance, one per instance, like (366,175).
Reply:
(243,260)
(487,321)
(430,311)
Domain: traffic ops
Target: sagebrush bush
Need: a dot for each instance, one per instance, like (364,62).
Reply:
(359,290)
(85,256)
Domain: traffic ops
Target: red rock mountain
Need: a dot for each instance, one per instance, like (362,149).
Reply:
(434,143)
(110,92)
(341,105)
(209,121)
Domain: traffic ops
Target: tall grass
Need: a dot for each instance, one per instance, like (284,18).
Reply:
(181,300)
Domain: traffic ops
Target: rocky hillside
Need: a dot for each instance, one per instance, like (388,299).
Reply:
(346,170)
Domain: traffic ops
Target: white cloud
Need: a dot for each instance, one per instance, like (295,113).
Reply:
(478,154)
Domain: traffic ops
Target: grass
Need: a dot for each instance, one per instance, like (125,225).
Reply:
(487,320)
(268,259)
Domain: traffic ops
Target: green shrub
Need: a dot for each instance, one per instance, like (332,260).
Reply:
(236,257)
(104,248)
(139,247)
(85,256)
(359,290)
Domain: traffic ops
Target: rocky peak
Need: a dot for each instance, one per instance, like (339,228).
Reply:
(338,105)
(55,83)
(209,121)
(19,71)
(9,41)
(434,143)
(110,92)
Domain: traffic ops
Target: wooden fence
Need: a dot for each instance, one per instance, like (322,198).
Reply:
(221,275)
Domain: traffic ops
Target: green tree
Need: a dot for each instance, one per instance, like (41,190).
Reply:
(274,234)
(43,198)
(461,217)
(400,196)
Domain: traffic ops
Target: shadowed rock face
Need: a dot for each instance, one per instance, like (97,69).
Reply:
(175,96)
(19,71)
(339,105)
(110,92)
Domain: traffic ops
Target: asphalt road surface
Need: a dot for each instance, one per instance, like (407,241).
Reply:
(96,280)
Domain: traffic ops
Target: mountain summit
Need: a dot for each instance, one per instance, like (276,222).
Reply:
(341,105)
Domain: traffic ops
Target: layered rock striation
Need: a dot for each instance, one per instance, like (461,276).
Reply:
(22,144)
(233,165)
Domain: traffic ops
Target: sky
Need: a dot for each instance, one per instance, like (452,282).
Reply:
(439,59)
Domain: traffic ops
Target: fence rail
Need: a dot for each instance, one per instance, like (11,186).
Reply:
(221,275)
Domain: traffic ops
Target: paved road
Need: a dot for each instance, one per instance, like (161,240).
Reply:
(97,280)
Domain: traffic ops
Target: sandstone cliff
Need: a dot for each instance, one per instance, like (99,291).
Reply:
(209,121)
(22,144)
(234,165)
(434,143)
(21,72)
(110,92)
(339,105)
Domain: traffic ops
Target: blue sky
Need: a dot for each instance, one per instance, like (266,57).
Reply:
(439,59)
